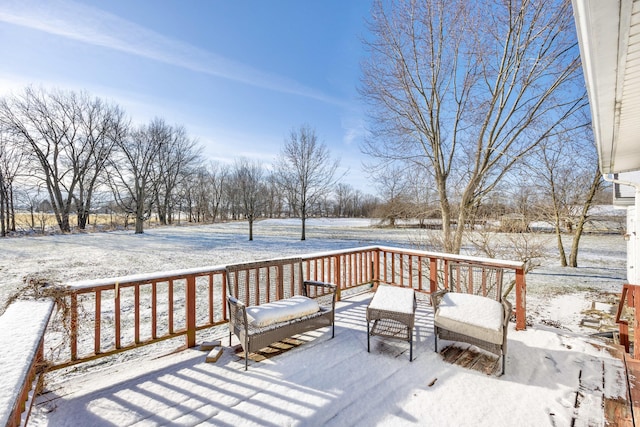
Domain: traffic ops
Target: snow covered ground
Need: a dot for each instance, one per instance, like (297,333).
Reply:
(564,306)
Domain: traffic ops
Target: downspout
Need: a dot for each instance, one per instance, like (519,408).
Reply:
(634,277)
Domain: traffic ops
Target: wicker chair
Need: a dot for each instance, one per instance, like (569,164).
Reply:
(473,309)
(254,284)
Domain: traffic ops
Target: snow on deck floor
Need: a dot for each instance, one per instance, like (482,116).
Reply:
(335,382)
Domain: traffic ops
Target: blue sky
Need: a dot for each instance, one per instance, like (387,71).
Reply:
(239,75)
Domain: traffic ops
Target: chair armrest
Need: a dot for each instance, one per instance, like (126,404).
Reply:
(325,296)
(508,310)
(323,284)
(237,312)
(436,297)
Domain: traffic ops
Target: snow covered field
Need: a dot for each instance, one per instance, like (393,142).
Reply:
(558,302)
(554,294)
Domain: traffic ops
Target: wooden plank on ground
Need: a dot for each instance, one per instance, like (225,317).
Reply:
(209,345)
(617,409)
(633,376)
(214,355)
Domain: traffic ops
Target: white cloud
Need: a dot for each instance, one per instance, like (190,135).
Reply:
(354,129)
(93,26)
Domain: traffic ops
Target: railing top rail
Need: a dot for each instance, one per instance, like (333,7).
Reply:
(264,263)
(144,277)
(453,257)
(175,274)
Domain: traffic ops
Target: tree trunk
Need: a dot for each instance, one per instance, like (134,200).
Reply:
(445,212)
(3,231)
(563,256)
(595,185)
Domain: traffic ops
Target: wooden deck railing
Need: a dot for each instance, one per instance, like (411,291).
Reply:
(630,298)
(114,315)
(128,312)
(22,330)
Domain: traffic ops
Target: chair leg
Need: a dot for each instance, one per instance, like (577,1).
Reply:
(435,333)
(410,345)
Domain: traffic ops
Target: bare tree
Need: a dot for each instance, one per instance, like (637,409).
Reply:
(100,125)
(420,195)
(11,162)
(305,171)
(273,197)
(68,137)
(465,90)
(392,188)
(219,175)
(248,178)
(344,199)
(35,201)
(569,177)
(175,158)
(132,170)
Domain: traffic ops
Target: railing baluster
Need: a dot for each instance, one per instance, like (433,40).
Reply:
(170,301)
(211,298)
(521,300)
(268,278)
(136,307)
(116,309)
(97,322)
(224,293)
(74,326)
(154,309)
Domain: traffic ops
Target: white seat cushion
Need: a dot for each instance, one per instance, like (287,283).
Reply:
(281,311)
(471,315)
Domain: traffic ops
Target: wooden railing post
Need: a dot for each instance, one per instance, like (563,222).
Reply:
(521,300)
(624,335)
(433,275)
(279,283)
(191,311)
(635,300)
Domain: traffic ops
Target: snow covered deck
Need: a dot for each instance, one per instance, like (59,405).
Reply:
(553,377)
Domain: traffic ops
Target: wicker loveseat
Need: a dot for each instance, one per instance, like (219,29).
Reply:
(269,301)
(473,309)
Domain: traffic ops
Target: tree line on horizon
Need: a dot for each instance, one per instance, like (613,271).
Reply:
(75,155)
